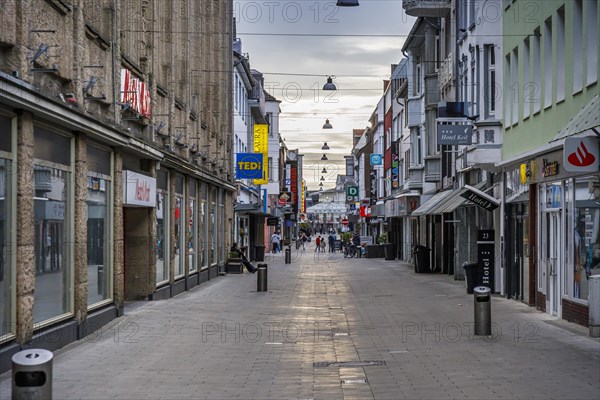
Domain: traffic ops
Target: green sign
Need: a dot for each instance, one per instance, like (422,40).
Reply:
(352,190)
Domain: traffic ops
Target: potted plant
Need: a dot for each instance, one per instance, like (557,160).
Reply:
(388,248)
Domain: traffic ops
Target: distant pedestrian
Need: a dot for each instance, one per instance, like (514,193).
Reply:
(331,242)
(318,243)
(303,239)
(275,243)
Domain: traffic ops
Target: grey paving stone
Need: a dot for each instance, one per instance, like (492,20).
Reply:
(209,344)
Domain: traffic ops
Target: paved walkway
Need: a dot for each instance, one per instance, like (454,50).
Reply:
(328,328)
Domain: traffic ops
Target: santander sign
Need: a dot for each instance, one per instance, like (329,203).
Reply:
(581,154)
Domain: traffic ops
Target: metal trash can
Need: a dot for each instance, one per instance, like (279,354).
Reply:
(594,302)
(32,374)
(259,252)
(422,259)
(483,310)
(471,275)
(389,251)
(261,278)
(288,255)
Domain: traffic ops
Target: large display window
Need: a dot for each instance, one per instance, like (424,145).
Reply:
(162,227)
(221,234)
(7,234)
(214,228)
(585,225)
(178,218)
(99,224)
(53,202)
(192,227)
(203,226)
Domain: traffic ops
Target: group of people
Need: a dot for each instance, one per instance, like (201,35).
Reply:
(321,243)
(275,242)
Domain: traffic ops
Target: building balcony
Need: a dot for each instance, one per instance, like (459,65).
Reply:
(415,177)
(416,113)
(426,8)
(433,169)
(432,90)
(446,73)
(256,100)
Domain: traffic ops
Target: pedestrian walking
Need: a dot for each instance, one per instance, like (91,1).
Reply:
(331,242)
(275,242)
(303,239)
(318,243)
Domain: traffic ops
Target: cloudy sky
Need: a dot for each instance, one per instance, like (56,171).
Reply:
(297,44)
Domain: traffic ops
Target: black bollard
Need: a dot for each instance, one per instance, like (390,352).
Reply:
(261,278)
(288,256)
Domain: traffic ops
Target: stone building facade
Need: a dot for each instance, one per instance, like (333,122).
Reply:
(115,159)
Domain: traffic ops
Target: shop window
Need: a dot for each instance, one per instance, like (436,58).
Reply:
(53,221)
(7,233)
(586,237)
(162,228)
(192,227)
(212,227)
(99,223)
(203,227)
(178,218)
(221,237)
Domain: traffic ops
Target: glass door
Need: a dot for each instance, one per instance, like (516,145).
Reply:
(553,261)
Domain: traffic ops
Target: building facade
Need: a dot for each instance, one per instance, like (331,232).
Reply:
(115,172)
(551,184)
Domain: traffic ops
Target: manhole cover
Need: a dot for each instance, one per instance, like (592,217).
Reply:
(348,364)
(350,381)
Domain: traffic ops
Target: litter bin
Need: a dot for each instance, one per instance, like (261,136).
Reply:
(422,259)
(389,251)
(32,374)
(259,253)
(483,310)
(471,276)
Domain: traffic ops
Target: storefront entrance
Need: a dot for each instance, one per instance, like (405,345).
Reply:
(517,279)
(552,260)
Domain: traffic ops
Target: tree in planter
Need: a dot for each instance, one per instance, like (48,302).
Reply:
(383,238)
(346,237)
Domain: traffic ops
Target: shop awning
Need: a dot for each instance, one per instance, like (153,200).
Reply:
(456,200)
(469,195)
(429,206)
(249,209)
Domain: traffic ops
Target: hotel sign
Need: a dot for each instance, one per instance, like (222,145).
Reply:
(138,189)
(479,198)
(455,134)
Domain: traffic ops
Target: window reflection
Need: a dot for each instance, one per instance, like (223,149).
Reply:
(162,264)
(51,208)
(7,323)
(98,241)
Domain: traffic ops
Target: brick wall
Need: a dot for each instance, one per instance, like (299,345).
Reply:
(575,312)
(540,301)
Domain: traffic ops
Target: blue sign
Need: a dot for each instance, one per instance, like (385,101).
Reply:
(248,165)
(376,159)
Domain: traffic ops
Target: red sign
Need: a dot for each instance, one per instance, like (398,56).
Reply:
(282,202)
(581,154)
(345,221)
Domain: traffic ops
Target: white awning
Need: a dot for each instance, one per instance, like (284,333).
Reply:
(456,199)
(429,205)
